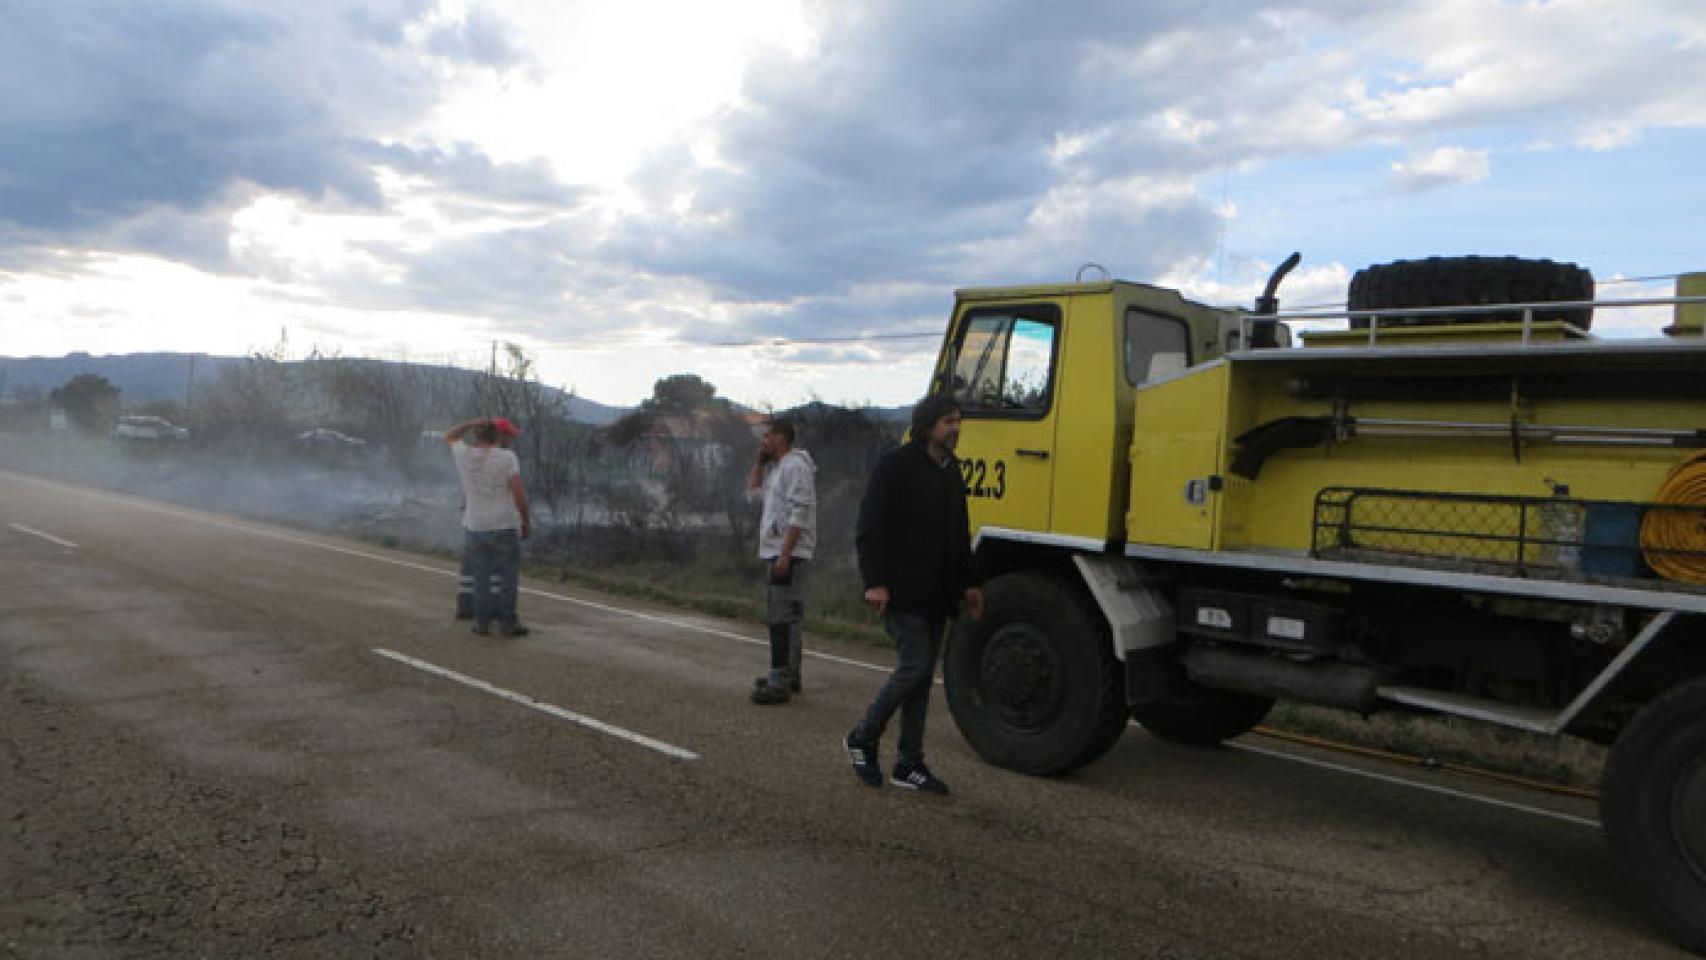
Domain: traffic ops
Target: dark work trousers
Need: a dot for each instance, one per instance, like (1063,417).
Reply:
(917,642)
(787,614)
(494,559)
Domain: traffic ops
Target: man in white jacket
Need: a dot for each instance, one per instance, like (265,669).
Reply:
(785,477)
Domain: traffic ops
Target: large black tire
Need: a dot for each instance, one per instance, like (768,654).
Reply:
(1201,716)
(1653,802)
(1033,684)
(1471,281)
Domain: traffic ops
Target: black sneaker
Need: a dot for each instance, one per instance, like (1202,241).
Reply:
(918,777)
(516,629)
(480,631)
(767,694)
(864,757)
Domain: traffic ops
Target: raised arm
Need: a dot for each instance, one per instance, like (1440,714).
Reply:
(455,433)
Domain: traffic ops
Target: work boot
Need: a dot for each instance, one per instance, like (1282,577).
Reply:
(793,683)
(767,694)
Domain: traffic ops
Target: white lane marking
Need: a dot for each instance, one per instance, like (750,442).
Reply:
(254,531)
(45,536)
(1428,787)
(540,705)
(531,591)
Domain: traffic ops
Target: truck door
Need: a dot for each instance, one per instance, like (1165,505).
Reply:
(1173,456)
(1002,370)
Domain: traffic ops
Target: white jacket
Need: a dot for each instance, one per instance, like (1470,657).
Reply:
(790,500)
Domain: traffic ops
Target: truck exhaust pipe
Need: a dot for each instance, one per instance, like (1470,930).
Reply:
(1264,334)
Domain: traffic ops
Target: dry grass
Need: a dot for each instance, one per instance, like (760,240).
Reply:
(737,594)
(1567,761)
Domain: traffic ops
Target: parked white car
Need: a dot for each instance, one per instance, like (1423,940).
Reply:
(329,440)
(139,427)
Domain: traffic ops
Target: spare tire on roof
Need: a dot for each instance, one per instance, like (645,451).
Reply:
(1471,281)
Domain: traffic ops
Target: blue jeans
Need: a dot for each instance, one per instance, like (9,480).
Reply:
(494,561)
(917,642)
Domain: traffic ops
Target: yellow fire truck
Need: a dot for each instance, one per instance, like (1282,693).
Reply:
(1460,502)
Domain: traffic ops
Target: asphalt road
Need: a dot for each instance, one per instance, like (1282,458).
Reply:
(225,739)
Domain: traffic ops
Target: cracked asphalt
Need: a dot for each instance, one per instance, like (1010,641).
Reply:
(202,756)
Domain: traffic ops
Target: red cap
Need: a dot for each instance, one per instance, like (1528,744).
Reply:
(503,426)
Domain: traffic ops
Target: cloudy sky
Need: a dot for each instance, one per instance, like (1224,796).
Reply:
(632,188)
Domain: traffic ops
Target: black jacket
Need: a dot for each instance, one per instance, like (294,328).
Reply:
(914,536)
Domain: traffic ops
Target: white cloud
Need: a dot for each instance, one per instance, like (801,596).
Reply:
(1441,167)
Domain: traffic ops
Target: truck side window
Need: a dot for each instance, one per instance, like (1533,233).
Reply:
(1154,346)
(1004,361)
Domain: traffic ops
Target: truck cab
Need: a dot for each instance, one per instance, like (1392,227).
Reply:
(1047,378)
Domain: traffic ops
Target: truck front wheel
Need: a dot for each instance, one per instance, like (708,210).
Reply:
(1033,684)
(1202,717)
(1653,803)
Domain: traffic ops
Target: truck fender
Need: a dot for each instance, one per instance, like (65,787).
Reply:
(1139,616)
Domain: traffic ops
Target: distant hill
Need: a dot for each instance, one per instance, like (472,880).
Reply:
(900,414)
(146,377)
(815,408)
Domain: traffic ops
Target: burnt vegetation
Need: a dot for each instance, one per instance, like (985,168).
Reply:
(353,445)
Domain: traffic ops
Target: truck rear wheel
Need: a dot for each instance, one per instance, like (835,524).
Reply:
(1471,281)
(1653,803)
(1033,684)
(1200,716)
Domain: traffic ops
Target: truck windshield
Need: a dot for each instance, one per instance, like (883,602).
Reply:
(1003,363)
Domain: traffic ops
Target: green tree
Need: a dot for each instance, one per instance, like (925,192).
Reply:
(90,401)
(683,393)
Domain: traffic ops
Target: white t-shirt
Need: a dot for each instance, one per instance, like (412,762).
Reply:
(485,473)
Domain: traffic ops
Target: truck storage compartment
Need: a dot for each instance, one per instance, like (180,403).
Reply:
(1541,477)
(1557,537)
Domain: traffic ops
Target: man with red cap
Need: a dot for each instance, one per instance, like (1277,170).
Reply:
(495,519)
(465,576)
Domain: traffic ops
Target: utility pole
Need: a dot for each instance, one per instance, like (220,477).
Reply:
(189,389)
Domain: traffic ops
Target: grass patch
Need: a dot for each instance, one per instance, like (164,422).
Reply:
(1569,761)
(733,592)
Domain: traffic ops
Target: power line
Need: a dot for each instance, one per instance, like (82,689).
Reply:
(789,341)
(927,334)
(753,342)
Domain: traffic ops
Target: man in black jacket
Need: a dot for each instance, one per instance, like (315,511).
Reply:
(915,557)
